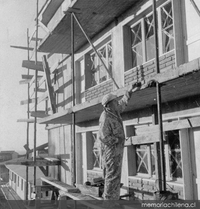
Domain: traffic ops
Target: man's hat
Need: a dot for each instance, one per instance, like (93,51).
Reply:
(107,98)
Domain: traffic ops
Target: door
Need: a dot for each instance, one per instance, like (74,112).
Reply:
(195,150)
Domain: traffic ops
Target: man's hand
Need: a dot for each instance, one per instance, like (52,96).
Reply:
(134,87)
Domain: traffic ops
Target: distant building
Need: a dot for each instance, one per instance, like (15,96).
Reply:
(17,179)
(4,156)
(8,155)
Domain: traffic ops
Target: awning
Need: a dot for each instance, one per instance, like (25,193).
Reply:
(177,83)
(95,15)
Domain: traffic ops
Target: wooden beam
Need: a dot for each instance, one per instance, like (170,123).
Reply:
(39,114)
(22,47)
(40,163)
(44,171)
(27,101)
(41,147)
(31,65)
(151,134)
(41,90)
(145,138)
(25,81)
(27,76)
(34,39)
(44,27)
(48,83)
(62,186)
(28,120)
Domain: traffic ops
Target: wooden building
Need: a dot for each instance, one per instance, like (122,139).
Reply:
(80,34)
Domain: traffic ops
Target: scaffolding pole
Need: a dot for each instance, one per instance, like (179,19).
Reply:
(73,101)
(36,74)
(162,179)
(28,115)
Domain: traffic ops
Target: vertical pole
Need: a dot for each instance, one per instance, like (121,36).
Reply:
(27,132)
(162,181)
(36,74)
(73,101)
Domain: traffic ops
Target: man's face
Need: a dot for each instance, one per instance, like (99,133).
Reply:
(114,104)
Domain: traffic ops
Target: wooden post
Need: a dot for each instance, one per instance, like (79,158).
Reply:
(73,103)
(159,106)
(36,74)
(28,116)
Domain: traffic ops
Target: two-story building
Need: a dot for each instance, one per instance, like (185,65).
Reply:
(83,33)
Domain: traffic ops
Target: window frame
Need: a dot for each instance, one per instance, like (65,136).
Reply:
(100,168)
(168,175)
(100,65)
(143,31)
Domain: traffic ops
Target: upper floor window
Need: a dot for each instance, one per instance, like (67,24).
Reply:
(99,73)
(167,28)
(143,37)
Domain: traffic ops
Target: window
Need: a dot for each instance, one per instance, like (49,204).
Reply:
(99,73)
(149,38)
(167,28)
(15,178)
(97,152)
(173,155)
(145,160)
(143,39)
(145,157)
(22,184)
(137,45)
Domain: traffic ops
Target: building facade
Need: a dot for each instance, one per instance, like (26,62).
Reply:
(123,35)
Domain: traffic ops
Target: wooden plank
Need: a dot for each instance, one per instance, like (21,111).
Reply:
(52,159)
(62,186)
(152,134)
(48,83)
(27,101)
(76,196)
(43,27)
(40,90)
(41,147)
(39,163)
(27,120)
(39,114)
(145,138)
(31,65)
(25,81)
(22,47)
(89,190)
(27,76)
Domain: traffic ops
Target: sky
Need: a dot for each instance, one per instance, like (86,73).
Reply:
(16,16)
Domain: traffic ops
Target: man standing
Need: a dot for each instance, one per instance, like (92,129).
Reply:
(112,137)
